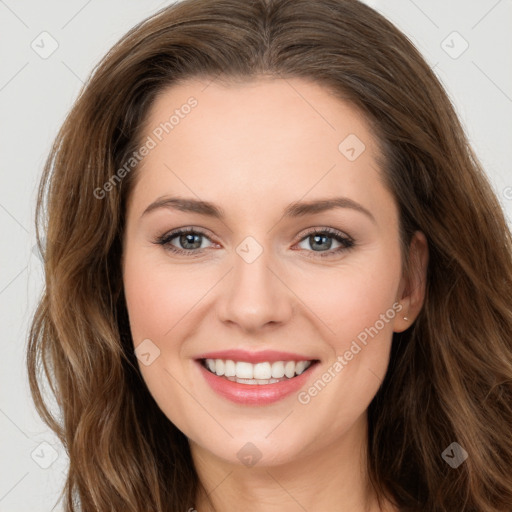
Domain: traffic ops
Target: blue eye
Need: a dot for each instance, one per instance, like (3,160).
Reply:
(190,239)
(191,242)
(319,239)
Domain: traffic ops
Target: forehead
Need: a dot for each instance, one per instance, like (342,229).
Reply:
(253,140)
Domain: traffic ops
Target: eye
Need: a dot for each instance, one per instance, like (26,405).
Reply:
(189,241)
(320,239)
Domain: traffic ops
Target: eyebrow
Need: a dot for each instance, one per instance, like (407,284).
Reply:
(297,209)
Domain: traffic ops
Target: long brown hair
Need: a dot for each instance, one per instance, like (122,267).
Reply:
(450,374)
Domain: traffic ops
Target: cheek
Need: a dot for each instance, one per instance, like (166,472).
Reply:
(358,303)
(160,304)
(158,297)
(353,296)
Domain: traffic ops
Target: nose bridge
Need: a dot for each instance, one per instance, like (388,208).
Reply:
(254,295)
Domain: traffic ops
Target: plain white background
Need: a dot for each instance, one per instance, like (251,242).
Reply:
(468,43)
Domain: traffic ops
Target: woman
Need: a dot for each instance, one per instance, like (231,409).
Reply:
(206,351)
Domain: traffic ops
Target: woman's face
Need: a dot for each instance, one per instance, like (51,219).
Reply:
(295,257)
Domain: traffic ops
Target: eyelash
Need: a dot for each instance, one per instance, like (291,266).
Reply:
(346,241)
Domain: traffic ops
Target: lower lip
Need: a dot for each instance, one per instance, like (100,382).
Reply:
(254,394)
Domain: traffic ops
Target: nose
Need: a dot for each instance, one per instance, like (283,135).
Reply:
(255,295)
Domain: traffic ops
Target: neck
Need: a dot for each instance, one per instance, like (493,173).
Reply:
(333,478)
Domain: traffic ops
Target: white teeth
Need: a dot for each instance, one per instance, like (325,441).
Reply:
(289,369)
(259,373)
(219,367)
(243,370)
(300,367)
(229,368)
(278,370)
(254,381)
(262,371)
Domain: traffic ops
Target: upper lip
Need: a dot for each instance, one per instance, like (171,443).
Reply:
(255,357)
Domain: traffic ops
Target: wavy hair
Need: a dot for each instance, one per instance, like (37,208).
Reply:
(450,374)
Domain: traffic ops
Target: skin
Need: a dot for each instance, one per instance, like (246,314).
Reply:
(253,148)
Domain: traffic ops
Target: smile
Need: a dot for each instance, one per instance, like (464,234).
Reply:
(262,373)
(258,383)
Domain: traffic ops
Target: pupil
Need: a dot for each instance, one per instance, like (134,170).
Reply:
(321,238)
(189,238)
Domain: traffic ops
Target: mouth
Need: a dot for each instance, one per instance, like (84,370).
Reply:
(257,374)
(256,378)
